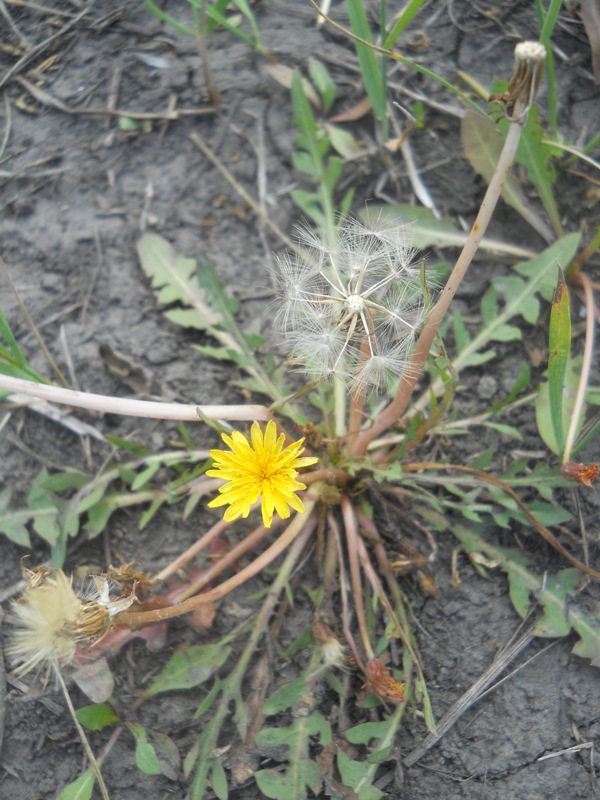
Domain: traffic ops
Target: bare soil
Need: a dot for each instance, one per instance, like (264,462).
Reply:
(76,191)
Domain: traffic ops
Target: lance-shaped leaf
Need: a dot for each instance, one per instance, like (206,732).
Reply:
(81,788)
(558,356)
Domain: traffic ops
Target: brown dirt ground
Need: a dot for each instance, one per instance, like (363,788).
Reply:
(75,192)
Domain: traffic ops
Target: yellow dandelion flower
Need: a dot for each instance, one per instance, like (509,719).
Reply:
(260,468)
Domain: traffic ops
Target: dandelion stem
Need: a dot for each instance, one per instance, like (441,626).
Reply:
(340,393)
(83,737)
(231,687)
(343,594)
(137,619)
(394,411)
(131,408)
(352,539)
(196,548)
(221,565)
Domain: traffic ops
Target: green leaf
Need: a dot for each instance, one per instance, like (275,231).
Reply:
(98,517)
(97,716)
(422,694)
(506,430)
(79,789)
(342,141)
(45,521)
(521,297)
(173,275)
(560,254)
(543,413)
(146,475)
(366,731)
(353,773)
(69,479)
(218,779)
(149,513)
(285,697)
(190,667)
(536,157)
(321,77)
(558,356)
(12,522)
(427,231)
(557,595)
(303,116)
(12,361)
(302,772)
(145,755)
(310,204)
(290,784)
(370,65)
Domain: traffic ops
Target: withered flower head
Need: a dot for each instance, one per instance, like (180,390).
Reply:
(380,682)
(50,619)
(333,652)
(585,474)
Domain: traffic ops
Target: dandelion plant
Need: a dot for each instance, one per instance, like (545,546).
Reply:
(359,316)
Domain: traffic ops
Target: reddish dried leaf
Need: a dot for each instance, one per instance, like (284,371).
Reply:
(356,112)
(202,618)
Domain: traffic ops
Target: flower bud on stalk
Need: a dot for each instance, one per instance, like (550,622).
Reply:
(525,82)
(521,93)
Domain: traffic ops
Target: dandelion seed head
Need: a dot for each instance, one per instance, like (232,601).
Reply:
(49,619)
(352,305)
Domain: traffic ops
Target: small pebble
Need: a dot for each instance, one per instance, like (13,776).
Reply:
(487,387)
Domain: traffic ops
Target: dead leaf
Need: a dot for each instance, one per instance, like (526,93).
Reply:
(127,371)
(358,111)
(95,680)
(202,618)
(283,75)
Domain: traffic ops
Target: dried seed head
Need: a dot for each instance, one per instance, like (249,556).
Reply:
(351,306)
(50,619)
(525,82)
(333,652)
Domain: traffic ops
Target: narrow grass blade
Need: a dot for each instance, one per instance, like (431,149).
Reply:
(370,66)
(410,10)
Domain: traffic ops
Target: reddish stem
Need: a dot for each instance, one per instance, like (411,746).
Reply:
(137,619)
